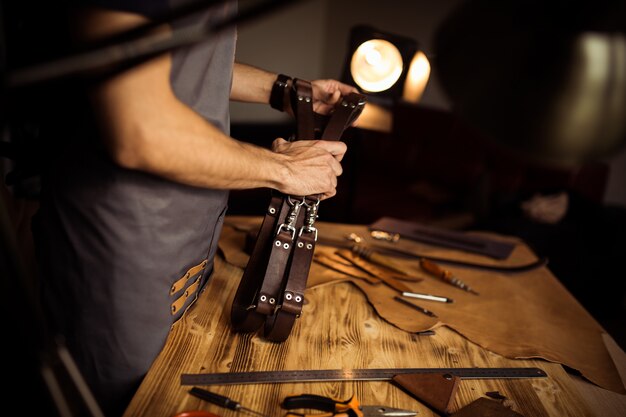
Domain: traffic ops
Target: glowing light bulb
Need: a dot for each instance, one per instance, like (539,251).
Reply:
(373,57)
(376,65)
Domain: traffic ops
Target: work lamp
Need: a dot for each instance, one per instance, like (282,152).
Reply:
(385,66)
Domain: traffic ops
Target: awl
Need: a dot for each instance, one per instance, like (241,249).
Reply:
(444,275)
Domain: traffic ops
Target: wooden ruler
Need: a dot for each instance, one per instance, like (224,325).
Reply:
(376,374)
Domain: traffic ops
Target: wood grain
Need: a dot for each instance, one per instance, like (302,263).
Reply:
(340,329)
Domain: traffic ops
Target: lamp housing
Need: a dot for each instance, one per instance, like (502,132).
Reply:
(378,63)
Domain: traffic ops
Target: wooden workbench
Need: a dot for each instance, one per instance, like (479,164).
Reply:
(340,330)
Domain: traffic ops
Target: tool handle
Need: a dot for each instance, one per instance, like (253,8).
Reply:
(436,270)
(310,401)
(330,414)
(215,398)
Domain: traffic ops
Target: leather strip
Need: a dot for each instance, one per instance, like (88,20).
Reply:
(302,102)
(243,316)
(345,113)
(350,270)
(180,283)
(278,326)
(282,246)
(189,292)
(373,269)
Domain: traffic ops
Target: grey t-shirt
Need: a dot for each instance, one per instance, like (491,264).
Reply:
(114,241)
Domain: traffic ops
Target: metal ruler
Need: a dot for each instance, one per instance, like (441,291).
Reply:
(377,374)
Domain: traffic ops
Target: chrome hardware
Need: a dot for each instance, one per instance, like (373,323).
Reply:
(382,235)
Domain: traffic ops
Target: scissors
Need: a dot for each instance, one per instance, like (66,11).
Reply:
(333,407)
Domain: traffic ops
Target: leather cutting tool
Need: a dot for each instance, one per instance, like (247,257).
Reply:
(222,401)
(445,275)
(333,407)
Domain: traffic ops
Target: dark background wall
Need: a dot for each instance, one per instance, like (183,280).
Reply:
(309,40)
(434,168)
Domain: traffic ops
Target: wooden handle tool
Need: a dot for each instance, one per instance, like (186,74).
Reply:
(445,275)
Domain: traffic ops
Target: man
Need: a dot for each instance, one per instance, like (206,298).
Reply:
(131,212)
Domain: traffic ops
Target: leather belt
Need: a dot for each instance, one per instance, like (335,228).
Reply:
(270,295)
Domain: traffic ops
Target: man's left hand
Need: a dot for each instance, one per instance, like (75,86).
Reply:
(326,93)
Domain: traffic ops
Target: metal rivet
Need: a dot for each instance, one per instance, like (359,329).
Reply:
(272,301)
(272,210)
(300,98)
(286,246)
(277,243)
(300,244)
(263,298)
(298,298)
(344,104)
(173,288)
(173,309)
(288,296)
(352,106)
(448,377)
(308,99)
(309,246)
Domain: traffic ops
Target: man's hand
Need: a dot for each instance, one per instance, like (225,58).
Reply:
(326,93)
(312,166)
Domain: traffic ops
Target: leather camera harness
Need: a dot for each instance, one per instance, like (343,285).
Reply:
(271,291)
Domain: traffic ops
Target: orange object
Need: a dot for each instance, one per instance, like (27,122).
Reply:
(195,413)
(444,275)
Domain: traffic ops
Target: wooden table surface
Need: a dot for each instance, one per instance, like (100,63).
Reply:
(340,330)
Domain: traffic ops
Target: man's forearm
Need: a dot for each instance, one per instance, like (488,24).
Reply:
(251,84)
(148,128)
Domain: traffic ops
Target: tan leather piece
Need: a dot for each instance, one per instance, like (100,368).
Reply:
(435,390)
(180,283)
(516,315)
(189,293)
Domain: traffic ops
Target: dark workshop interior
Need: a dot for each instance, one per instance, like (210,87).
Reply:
(435,166)
(461,157)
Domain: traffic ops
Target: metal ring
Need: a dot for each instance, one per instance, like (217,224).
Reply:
(292,203)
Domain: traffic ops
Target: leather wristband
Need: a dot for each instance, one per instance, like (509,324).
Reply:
(277,95)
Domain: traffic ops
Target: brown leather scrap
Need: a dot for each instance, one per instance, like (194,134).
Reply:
(435,390)
(484,407)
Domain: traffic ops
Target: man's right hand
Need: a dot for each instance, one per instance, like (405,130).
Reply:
(311,166)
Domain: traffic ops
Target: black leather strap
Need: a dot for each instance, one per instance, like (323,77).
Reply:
(277,95)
